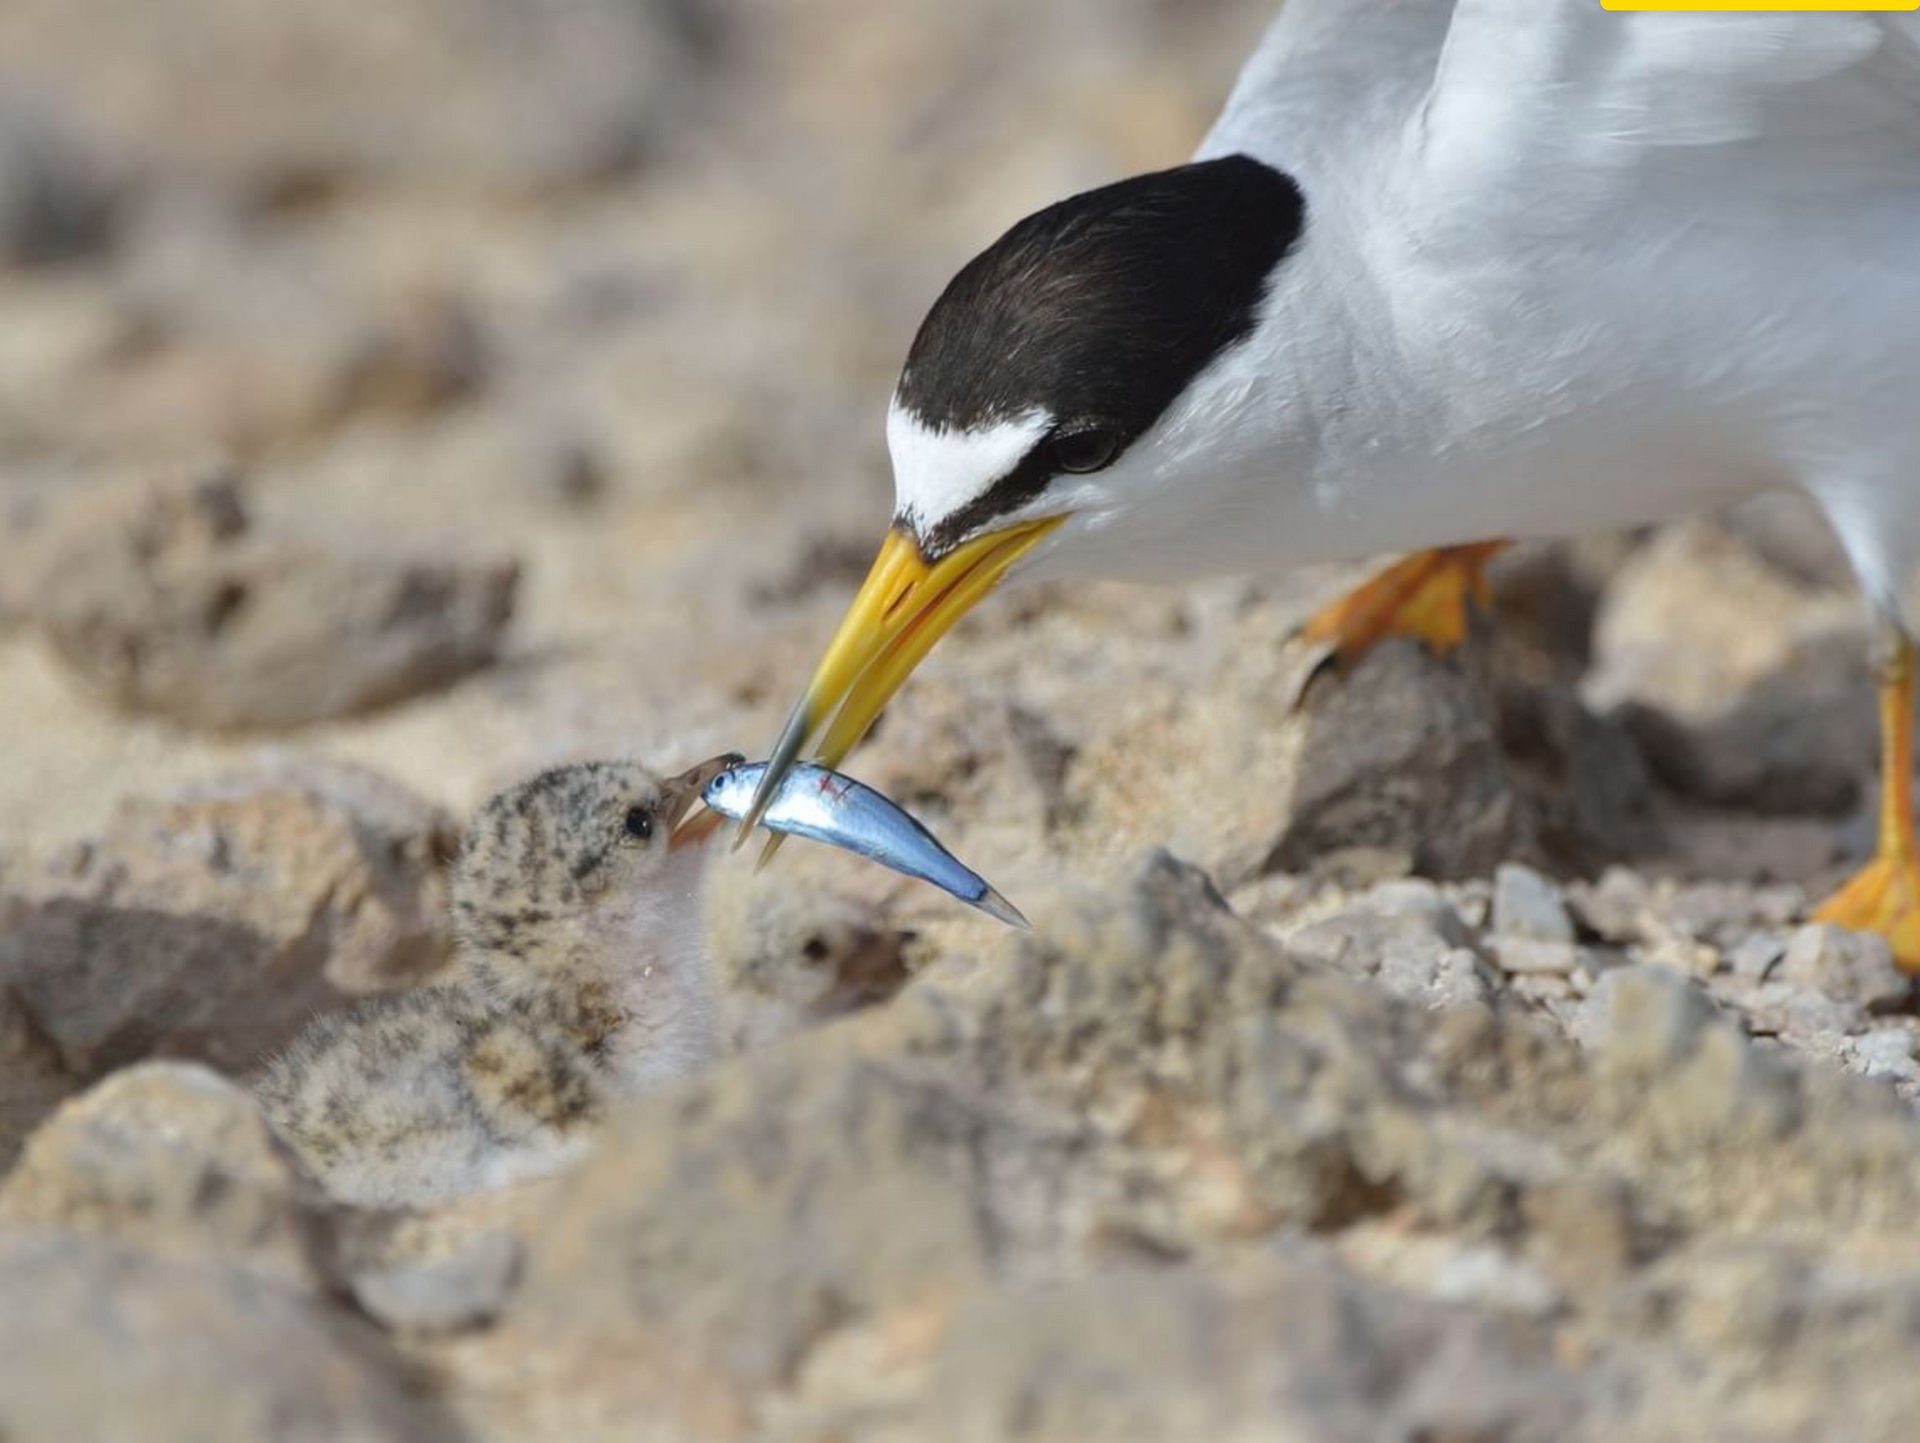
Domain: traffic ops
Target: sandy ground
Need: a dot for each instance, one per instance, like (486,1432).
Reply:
(1485,1079)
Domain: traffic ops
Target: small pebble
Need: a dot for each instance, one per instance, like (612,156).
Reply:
(1526,955)
(1456,978)
(1802,1013)
(1615,906)
(1756,956)
(1473,901)
(1542,987)
(1697,959)
(1644,1019)
(1528,905)
(1490,1278)
(446,1295)
(1886,1052)
(1850,966)
(1718,912)
(1408,897)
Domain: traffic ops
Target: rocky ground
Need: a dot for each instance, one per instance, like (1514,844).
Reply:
(1435,1051)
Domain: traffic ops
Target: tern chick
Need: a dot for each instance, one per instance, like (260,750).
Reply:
(580,979)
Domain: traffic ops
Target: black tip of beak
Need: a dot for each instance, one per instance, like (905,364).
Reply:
(786,752)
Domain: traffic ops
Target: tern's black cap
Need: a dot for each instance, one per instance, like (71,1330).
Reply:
(1100,310)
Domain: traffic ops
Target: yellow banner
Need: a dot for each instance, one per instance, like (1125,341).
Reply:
(1742,5)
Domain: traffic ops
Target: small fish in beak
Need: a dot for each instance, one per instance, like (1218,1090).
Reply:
(829,807)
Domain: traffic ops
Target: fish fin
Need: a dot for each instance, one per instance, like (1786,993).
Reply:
(999,908)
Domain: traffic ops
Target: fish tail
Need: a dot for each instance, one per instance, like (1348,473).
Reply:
(999,908)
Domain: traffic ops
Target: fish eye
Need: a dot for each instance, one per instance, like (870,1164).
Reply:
(1090,449)
(639,823)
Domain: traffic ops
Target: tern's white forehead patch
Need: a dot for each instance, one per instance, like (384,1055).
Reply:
(935,473)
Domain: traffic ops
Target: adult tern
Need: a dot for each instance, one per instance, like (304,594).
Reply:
(1441,273)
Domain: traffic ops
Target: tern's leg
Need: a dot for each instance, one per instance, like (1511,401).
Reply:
(1429,595)
(1884,896)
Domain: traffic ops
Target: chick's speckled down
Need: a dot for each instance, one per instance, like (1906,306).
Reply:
(580,978)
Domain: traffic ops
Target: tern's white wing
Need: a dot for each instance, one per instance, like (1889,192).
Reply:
(1567,110)
(1330,80)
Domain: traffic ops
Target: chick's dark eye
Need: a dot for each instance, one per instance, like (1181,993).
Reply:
(639,823)
(1089,450)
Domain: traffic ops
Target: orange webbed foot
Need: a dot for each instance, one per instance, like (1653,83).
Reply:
(1430,595)
(1883,897)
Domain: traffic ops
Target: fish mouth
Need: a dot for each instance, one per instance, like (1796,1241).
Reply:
(689,823)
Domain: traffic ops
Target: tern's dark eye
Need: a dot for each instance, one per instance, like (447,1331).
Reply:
(639,825)
(1092,449)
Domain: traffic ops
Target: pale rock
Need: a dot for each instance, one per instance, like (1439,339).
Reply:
(170,599)
(1583,1229)
(798,1192)
(1801,1013)
(1411,897)
(1472,901)
(1677,952)
(1728,1092)
(1460,976)
(1850,967)
(1542,987)
(1426,956)
(1756,956)
(1490,1277)
(1644,1019)
(1724,913)
(1742,682)
(1669,1054)
(451,1294)
(1285,1348)
(1403,751)
(99,1340)
(239,349)
(176,1159)
(1537,957)
(215,926)
(1886,1052)
(1392,767)
(1275,900)
(1616,907)
(1529,907)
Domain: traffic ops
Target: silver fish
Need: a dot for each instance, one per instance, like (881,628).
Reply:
(829,807)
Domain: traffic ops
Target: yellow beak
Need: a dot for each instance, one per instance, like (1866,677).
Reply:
(905,605)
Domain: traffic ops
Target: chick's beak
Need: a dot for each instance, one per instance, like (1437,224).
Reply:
(679,794)
(905,605)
